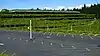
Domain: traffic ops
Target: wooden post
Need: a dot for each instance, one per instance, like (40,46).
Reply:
(30,30)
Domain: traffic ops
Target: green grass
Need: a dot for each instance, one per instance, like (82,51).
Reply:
(88,27)
(69,15)
(3,55)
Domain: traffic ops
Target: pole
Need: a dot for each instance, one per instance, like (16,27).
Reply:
(30,30)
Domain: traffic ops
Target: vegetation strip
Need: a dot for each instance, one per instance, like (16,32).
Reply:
(57,26)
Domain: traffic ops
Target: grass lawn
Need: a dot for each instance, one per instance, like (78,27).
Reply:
(84,26)
(3,55)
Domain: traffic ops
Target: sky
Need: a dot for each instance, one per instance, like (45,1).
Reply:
(48,4)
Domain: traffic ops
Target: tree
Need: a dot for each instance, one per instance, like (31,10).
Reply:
(5,10)
(74,9)
(37,9)
(54,10)
(63,9)
(45,9)
(68,10)
(84,5)
(32,9)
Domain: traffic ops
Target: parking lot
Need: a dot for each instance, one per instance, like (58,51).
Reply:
(17,43)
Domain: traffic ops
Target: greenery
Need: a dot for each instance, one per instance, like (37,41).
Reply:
(3,55)
(47,15)
(84,22)
(88,27)
(76,16)
(93,9)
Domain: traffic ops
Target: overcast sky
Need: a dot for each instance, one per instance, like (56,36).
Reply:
(49,4)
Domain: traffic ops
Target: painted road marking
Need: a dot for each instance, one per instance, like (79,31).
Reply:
(57,34)
(20,39)
(81,36)
(8,37)
(87,49)
(61,45)
(91,37)
(14,54)
(3,51)
(14,38)
(42,42)
(51,44)
(50,33)
(73,47)
(26,41)
(64,35)
(48,37)
(44,33)
(73,36)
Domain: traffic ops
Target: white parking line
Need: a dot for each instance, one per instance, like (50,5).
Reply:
(26,41)
(91,37)
(57,34)
(44,33)
(14,38)
(42,42)
(51,44)
(8,37)
(50,33)
(73,47)
(20,39)
(87,49)
(48,37)
(61,45)
(81,36)
(64,35)
(3,51)
(73,36)
(14,54)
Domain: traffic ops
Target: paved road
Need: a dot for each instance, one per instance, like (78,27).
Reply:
(17,43)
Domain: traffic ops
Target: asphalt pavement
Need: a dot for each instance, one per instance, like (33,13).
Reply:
(17,43)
